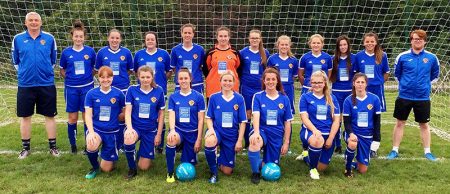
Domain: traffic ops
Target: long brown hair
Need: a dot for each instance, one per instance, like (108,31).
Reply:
(261,49)
(337,55)
(326,89)
(378,50)
(356,76)
(279,86)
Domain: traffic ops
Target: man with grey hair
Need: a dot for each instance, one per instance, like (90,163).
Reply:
(33,54)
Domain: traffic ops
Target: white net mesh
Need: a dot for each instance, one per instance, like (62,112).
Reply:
(391,19)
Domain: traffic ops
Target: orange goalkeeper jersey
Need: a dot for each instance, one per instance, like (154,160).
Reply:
(218,61)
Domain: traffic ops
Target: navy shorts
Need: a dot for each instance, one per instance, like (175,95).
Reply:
(109,150)
(272,146)
(43,97)
(227,143)
(147,145)
(75,97)
(363,148)
(187,146)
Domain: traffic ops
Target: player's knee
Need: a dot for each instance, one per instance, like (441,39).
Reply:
(362,170)
(316,142)
(106,167)
(400,123)
(211,141)
(226,170)
(129,139)
(145,165)
(352,144)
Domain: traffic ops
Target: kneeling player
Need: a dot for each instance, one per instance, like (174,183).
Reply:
(362,115)
(144,116)
(272,117)
(104,107)
(186,114)
(319,111)
(225,118)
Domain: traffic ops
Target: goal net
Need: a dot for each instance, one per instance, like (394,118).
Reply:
(392,20)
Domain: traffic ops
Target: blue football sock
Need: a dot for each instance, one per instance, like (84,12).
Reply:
(314,155)
(93,159)
(210,153)
(130,151)
(349,155)
(170,158)
(255,160)
(71,132)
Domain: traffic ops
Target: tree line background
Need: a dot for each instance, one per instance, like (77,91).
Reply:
(299,19)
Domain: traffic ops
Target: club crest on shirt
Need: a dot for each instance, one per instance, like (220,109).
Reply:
(86,57)
(280,106)
(229,57)
(153,99)
(425,60)
(195,56)
(160,59)
(122,58)
(113,100)
(191,102)
(369,106)
(236,107)
(42,42)
(290,65)
(322,61)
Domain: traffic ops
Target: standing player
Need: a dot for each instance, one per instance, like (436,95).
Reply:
(186,114)
(76,67)
(272,118)
(120,60)
(341,77)
(225,119)
(104,107)
(33,54)
(320,115)
(220,59)
(415,70)
(362,117)
(373,62)
(144,116)
(159,60)
(190,55)
(310,62)
(253,63)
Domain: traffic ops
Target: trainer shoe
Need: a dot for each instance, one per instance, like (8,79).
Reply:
(392,155)
(54,152)
(373,154)
(24,154)
(338,150)
(314,174)
(131,174)
(430,157)
(256,178)
(73,149)
(213,178)
(170,178)
(303,155)
(91,174)
(348,173)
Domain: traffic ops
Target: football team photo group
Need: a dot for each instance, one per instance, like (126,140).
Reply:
(216,104)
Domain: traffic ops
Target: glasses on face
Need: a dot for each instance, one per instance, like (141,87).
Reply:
(417,39)
(317,83)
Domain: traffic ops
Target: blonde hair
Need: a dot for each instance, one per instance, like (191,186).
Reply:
(326,88)
(321,38)
(284,37)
